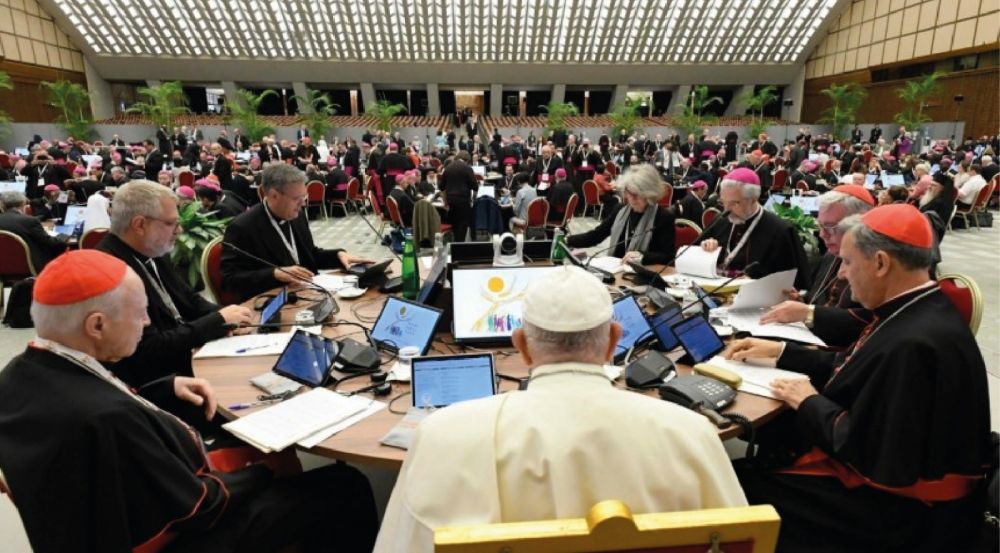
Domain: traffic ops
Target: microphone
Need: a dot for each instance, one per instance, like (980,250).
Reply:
(320,311)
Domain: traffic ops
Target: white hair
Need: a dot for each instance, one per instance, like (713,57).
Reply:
(749,191)
(138,197)
(851,205)
(54,321)
(575,345)
(986,160)
(925,168)
(644,181)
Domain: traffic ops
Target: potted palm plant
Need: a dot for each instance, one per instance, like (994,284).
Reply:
(197,230)
(804,225)
(73,103)
(845,100)
(244,109)
(318,113)
(5,119)
(165,103)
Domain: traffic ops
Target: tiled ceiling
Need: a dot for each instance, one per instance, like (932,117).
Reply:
(466,31)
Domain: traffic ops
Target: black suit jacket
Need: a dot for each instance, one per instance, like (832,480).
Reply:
(166,344)
(43,248)
(223,169)
(251,231)
(154,164)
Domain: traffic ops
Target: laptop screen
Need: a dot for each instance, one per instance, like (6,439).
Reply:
(635,326)
(307,358)
(270,312)
(432,283)
(405,323)
(661,323)
(440,381)
(74,214)
(698,337)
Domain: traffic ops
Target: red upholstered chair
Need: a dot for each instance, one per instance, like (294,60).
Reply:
(538,213)
(382,219)
(568,215)
(592,198)
(349,198)
(610,526)
(668,196)
(965,294)
(979,205)
(355,195)
(185,178)
(802,185)
(393,208)
(779,181)
(867,155)
(70,166)
(92,237)
(708,216)
(211,273)
(317,196)
(15,260)
(5,161)
(685,233)
(721,174)
(611,169)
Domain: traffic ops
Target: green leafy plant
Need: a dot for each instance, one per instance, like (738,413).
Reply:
(197,230)
(914,95)
(165,103)
(556,114)
(756,103)
(244,110)
(383,111)
(625,119)
(692,119)
(845,100)
(73,102)
(5,120)
(804,224)
(322,109)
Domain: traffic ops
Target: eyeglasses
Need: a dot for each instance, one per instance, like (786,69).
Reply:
(174,225)
(829,229)
(298,199)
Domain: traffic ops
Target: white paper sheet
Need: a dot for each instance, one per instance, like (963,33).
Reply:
(749,321)
(608,263)
(331,283)
(756,379)
(370,408)
(764,292)
(710,284)
(250,344)
(696,262)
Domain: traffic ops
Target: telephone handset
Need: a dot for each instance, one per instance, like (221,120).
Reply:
(687,390)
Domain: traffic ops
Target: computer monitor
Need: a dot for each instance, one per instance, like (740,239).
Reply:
(74,214)
(487,190)
(13,186)
(307,358)
(270,315)
(892,180)
(809,204)
(635,326)
(699,339)
(479,170)
(487,302)
(442,380)
(432,284)
(404,323)
(870,181)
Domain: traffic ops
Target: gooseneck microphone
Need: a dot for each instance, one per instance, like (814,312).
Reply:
(320,311)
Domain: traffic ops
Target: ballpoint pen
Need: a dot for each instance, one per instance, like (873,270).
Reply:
(249,404)
(244,350)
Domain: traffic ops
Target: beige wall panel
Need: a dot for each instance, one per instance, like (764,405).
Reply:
(19,4)
(894,26)
(838,63)
(66,58)
(987,30)
(810,69)
(61,39)
(77,62)
(970,8)
(912,2)
(27,53)
(35,29)
(881,8)
(851,60)
(869,9)
(31,7)
(828,65)
(925,40)
(854,37)
(864,54)
(948,10)
(878,29)
(875,56)
(10,49)
(965,33)
(41,53)
(890,51)
(866,32)
(841,43)
(20,22)
(906,46)
(897,5)
(49,31)
(929,13)
(6,20)
(942,39)
(912,21)
(857,12)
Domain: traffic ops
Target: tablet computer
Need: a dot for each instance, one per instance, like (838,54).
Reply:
(635,325)
(270,315)
(698,338)
(405,323)
(307,358)
(661,323)
(442,380)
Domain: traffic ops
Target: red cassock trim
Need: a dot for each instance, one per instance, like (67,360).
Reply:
(817,463)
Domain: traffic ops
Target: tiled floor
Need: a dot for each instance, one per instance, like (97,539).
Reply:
(975,253)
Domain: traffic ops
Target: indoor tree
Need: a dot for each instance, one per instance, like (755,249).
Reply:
(556,114)
(756,103)
(625,119)
(317,120)
(164,103)
(845,100)
(383,111)
(244,110)
(693,119)
(915,95)
(73,103)
(5,84)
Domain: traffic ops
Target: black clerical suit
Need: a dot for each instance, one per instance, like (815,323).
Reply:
(405,202)
(838,320)
(228,206)
(252,231)
(222,168)
(546,167)
(41,174)
(691,207)
(154,164)
(94,470)
(889,450)
(661,241)
(166,344)
(458,182)
(42,247)
(774,245)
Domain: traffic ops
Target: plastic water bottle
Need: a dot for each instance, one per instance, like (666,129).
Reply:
(411,277)
(438,246)
(558,245)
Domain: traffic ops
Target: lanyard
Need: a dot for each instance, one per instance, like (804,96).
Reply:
(154,279)
(730,251)
(292,248)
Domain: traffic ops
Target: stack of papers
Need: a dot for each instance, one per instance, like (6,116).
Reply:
(328,282)
(306,419)
(607,263)
(764,292)
(756,379)
(247,345)
(755,297)
(696,262)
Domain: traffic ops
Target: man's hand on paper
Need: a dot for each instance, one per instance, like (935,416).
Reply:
(741,350)
(786,312)
(710,245)
(793,392)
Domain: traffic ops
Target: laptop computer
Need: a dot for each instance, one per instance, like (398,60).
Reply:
(404,323)
(440,381)
(635,325)
(307,358)
(698,338)
(75,214)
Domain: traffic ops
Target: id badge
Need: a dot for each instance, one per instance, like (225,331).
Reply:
(41,183)
(545,177)
(584,164)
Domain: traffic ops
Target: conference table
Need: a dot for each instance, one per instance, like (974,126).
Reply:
(230,377)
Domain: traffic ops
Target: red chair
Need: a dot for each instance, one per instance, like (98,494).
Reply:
(435,163)
(349,197)
(70,166)
(316,191)
(211,273)
(383,220)
(5,161)
(965,294)
(393,208)
(685,233)
(779,180)
(979,205)
(867,155)
(708,216)
(720,174)
(568,215)
(186,178)
(92,237)
(592,198)
(668,196)
(355,195)
(15,260)
(802,185)
(611,169)
(538,213)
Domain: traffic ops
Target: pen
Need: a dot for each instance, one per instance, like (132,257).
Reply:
(244,350)
(241,406)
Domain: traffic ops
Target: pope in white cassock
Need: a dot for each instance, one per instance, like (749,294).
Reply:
(569,441)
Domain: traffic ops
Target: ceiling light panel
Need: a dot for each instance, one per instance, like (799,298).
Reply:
(470,31)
